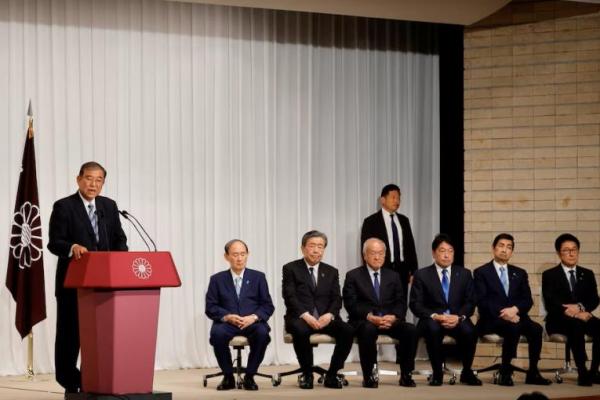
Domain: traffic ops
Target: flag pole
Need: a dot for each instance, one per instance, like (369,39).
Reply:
(30,373)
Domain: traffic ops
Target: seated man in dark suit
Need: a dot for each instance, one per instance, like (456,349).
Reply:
(570,296)
(503,300)
(311,291)
(443,298)
(376,305)
(239,303)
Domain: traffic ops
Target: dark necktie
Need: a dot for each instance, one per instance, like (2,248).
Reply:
(313,281)
(396,240)
(376,284)
(445,287)
(572,281)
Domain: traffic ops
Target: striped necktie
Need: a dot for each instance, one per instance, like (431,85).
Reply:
(93,220)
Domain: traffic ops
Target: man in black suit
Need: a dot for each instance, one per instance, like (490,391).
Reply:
(570,296)
(239,304)
(311,291)
(376,305)
(503,301)
(82,222)
(394,230)
(443,298)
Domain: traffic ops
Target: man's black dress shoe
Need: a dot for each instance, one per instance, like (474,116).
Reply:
(249,383)
(534,378)
(406,380)
(332,382)
(227,383)
(370,383)
(469,378)
(305,381)
(436,380)
(505,379)
(584,379)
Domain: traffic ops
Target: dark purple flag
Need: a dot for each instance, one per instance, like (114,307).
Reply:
(25,274)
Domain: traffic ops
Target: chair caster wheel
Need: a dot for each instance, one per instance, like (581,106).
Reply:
(452,381)
(239,385)
(204,382)
(321,379)
(276,380)
(344,381)
(559,379)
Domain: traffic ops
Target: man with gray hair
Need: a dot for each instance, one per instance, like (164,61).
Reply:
(376,304)
(239,304)
(311,291)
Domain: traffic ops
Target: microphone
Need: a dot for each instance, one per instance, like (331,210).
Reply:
(126,215)
(100,215)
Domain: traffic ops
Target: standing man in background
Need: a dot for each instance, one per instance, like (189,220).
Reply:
(81,222)
(393,229)
(311,292)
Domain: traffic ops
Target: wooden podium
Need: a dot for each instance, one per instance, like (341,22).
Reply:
(118,299)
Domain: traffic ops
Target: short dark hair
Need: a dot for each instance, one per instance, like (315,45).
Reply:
(91,165)
(506,236)
(439,239)
(533,396)
(390,188)
(313,234)
(231,242)
(565,237)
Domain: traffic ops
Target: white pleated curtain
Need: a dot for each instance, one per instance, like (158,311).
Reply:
(214,123)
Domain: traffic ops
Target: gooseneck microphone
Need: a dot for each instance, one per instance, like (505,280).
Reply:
(135,224)
(100,215)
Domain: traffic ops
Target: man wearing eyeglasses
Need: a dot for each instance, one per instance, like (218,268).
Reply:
(570,296)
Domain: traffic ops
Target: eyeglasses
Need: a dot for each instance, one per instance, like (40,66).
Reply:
(569,251)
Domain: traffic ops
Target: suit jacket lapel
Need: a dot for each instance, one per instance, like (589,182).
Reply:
(435,279)
(496,279)
(384,230)
(369,284)
(564,282)
(231,285)
(321,276)
(454,284)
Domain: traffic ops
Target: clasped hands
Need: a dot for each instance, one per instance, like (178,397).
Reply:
(317,324)
(448,321)
(510,314)
(574,311)
(382,322)
(239,321)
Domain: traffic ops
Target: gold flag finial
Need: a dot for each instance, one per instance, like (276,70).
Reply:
(30,116)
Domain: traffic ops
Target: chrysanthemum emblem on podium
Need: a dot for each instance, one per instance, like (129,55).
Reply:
(141,268)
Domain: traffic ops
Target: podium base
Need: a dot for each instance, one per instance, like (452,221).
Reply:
(131,396)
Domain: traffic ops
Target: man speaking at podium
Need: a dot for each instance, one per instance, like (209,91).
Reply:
(81,222)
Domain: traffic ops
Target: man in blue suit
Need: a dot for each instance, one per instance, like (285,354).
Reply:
(503,300)
(239,303)
(443,298)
